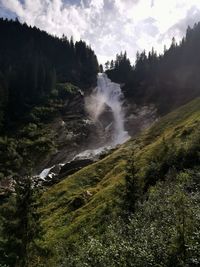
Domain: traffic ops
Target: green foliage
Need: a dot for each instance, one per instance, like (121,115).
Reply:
(66,90)
(163,231)
(43,113)
(164,227)
(19,224)
(159,183)
(11,160)
(32,139)
(18,154)
(121,69)
(54,104)
(31,62)
(132,190)
(172,156)
(168,80)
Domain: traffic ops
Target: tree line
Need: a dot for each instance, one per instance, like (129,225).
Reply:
(166,80)
(33,61)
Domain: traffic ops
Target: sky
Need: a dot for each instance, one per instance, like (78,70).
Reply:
(109,26)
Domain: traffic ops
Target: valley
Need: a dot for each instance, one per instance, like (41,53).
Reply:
(98,167)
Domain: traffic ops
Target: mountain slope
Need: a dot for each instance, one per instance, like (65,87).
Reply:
(168,80)
(32,62)
(86,202)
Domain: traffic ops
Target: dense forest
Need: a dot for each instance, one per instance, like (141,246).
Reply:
(167,80)
(32,62)
(138,204)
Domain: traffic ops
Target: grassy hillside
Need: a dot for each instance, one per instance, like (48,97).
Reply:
(86,202)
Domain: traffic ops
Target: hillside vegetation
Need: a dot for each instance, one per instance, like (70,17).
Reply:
(39,79)
(87,219)
(31,63)
(139,204)
(167,80)
(34,138)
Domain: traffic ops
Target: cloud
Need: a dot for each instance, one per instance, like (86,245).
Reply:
(179,28)
(109,26)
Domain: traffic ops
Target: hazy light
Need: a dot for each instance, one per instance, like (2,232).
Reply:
(110,26)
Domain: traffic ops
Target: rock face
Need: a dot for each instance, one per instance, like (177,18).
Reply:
(81,140)
(54,174)
(139,118)
(73,166)
(74,132)
(77,132)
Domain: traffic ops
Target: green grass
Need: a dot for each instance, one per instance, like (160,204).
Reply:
(67,211)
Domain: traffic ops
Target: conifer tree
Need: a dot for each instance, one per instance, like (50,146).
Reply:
(131,185)
(18,224)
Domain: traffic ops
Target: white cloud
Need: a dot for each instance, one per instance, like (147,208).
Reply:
(110,26)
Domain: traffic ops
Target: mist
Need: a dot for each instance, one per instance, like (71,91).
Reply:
(108,95)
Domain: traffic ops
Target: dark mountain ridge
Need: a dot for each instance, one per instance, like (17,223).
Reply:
(33,61)
(168,80)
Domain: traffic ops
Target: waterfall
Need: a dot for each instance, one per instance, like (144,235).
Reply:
(106,94)
(110,94)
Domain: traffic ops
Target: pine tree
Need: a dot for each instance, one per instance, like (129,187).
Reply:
(31,61)
(107,65)
(18,224)
(101,68)
(131,185)
(112,64)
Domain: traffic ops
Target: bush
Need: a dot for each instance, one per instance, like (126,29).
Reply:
(163,232)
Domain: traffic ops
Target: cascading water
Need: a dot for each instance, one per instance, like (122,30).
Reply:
(106,94)
(110,94)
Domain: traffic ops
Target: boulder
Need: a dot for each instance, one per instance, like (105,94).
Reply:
(73,166)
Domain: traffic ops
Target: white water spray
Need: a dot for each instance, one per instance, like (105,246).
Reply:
(110,94)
